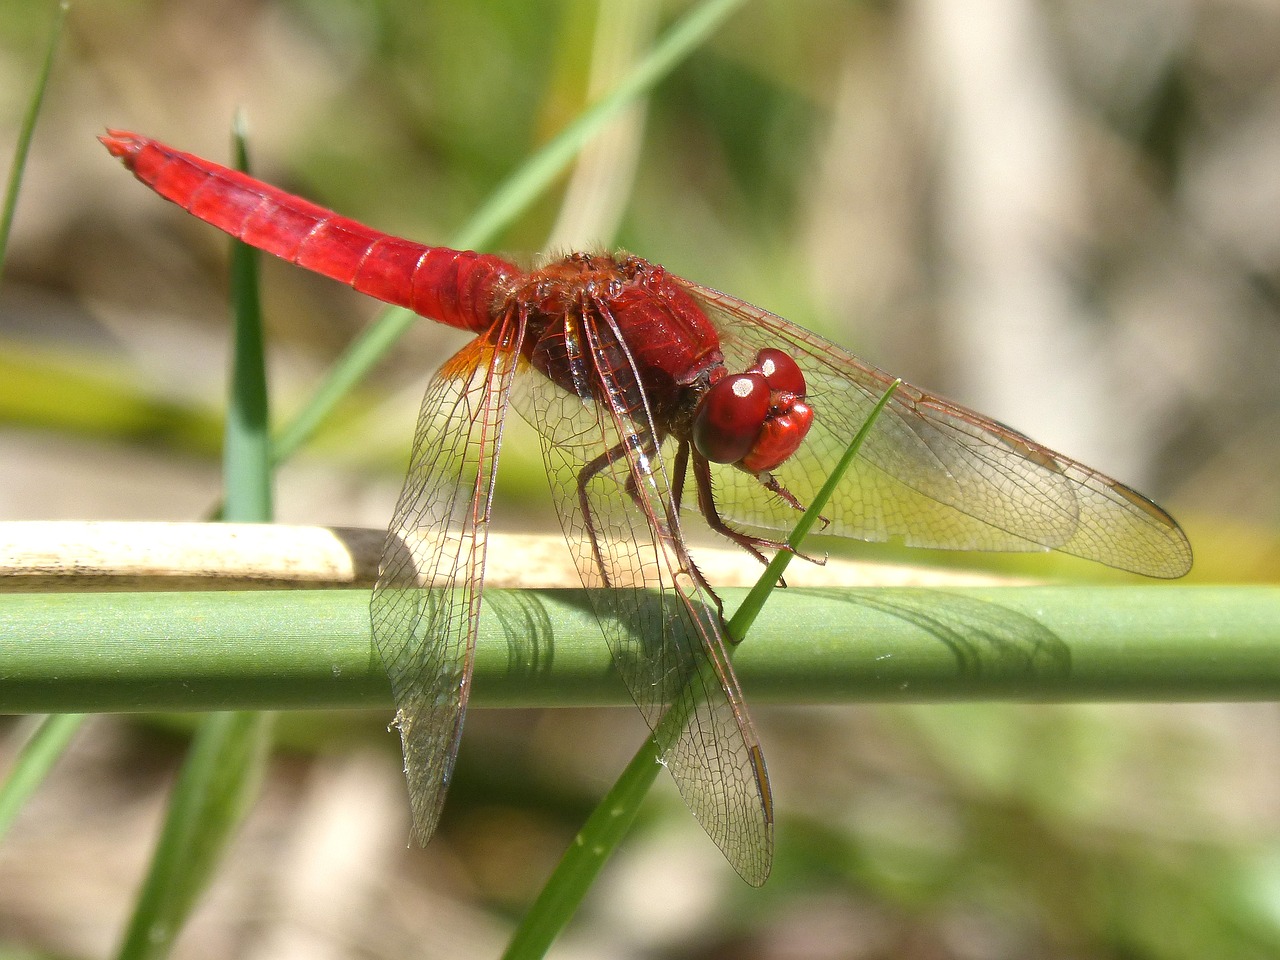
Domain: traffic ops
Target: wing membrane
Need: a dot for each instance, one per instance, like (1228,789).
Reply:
(426,603)
(932,472)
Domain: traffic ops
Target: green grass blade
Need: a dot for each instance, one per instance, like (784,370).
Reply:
(577,870)
(354,365)
(23,147)
(507,203)
(224,765)
(218,782)
(568,884)
(34,761)
(246,460)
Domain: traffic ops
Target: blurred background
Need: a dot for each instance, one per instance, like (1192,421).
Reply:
(1065,214)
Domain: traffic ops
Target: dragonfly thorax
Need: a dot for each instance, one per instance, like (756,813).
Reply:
(598,324)
(601,325)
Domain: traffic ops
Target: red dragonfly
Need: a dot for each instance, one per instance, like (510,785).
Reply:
(646,388)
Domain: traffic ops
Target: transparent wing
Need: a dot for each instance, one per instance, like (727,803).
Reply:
(932,473)
(660,619)
(426,603)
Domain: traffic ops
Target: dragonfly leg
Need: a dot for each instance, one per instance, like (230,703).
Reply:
(679,470)
(588,473)
(585,476)
(601,463)
(787,497)
(753,545)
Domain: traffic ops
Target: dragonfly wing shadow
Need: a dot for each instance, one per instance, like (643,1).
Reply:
(989,641)
(528,632)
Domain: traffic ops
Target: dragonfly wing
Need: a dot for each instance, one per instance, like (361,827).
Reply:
(933,473)
(426,604)
(660,619)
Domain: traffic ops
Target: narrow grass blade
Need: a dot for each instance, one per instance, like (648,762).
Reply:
(246,448)
(38,755)
(507,203)
(55,732)
(352,367)
(612,818)
(568,884)
(23,147)
(220,777)
(218,782)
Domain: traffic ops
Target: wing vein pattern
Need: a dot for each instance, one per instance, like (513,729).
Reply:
(661,621)
(933,473)
(426,603)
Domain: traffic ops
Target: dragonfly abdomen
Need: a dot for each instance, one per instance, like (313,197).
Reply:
(455,287)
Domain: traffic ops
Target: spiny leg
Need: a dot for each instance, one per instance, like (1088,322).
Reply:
(589,472)
(753,545)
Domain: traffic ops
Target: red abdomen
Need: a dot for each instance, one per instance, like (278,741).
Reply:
(455,287)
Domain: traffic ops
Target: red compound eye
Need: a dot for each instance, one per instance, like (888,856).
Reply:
(780,371)
(730,416)
(755,419)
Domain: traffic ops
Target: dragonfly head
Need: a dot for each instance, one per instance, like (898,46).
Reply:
(755,419)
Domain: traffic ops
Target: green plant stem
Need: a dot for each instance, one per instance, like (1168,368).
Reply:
(310,649)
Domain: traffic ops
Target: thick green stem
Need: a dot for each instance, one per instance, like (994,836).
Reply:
(311,649)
